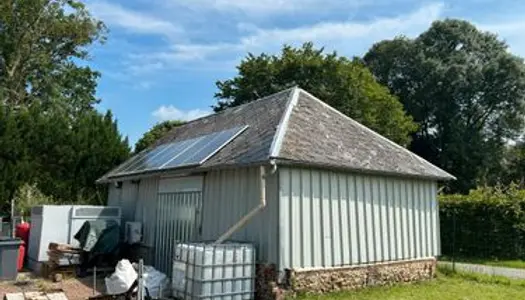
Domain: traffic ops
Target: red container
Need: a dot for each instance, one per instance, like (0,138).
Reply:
(22,231)
(21,256)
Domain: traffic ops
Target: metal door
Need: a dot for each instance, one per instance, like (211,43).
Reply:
(178,218)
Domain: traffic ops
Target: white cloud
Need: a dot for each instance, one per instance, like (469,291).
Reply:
(132,21)
(265,6)
(334,31)
(170,112)
(347,37)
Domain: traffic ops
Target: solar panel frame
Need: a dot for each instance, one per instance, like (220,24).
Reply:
(129,161)
(173,149)
(234,136)
(133,168)
(132,165)
(197,140)
(232,133)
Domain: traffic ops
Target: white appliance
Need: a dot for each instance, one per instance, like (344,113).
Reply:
(59,223)
(82,213)
(133,232)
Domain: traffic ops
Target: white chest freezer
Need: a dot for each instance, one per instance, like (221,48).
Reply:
(59,223)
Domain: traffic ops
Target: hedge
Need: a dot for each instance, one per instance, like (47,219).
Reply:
(486,223)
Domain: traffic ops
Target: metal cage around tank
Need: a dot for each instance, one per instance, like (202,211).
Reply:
(214,271)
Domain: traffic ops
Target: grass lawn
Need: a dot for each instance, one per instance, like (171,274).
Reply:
(447,286)
(515,263)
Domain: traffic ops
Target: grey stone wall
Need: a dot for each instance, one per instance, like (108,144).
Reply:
(351,278)
(338,279)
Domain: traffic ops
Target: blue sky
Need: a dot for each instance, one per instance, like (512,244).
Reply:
(163,57)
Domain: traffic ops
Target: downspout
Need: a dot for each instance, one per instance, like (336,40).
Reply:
(256,210)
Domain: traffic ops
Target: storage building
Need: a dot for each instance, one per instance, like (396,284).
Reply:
(314,190)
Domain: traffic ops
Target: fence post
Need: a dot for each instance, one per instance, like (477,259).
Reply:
(13,222)
(454,241)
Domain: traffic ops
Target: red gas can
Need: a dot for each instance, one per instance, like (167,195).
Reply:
(21,256)
(22,231)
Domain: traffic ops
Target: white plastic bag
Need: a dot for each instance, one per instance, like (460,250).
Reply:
(156,282)
(122,279)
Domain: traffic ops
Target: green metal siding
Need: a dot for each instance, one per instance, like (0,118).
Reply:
(231,194)
(330,219)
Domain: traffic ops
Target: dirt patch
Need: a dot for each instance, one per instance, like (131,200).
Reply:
(74,288)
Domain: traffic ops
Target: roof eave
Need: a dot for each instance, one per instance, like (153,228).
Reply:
(180,171)
(289,162)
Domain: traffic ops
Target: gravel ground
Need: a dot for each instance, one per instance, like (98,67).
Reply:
(488,270)
(74,288)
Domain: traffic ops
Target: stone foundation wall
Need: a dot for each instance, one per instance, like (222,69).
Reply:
(324,280)
(266,286)
(350,278)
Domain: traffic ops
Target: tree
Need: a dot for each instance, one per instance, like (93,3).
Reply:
(514,163)
(156,132)
(40,40)
(97,147)
(27,196)
(463,88)
(63,156)
(345,84)
(51,136)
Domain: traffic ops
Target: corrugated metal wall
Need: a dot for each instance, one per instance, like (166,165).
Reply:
(113,195)
(124,197)
(231,194)
(146,209)
(178,216)
(330,219)
(128,200)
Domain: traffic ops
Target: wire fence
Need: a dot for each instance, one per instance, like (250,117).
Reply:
(469,235)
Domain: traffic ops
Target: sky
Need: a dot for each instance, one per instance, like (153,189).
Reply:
(162,57)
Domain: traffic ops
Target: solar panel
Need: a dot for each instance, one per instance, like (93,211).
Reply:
(203,149)
(144,162)
(178,154)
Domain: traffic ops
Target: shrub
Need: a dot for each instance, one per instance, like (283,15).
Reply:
(27,196)
(486,223)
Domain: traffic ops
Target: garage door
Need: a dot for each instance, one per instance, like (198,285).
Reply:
(179,205)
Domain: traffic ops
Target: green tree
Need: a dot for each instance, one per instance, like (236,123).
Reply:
(156,132)
(463,88)
(15,164)
(27,196)
(40,40)
(345,84)
(62,155)
(514,163)
(98,147)
(51,136)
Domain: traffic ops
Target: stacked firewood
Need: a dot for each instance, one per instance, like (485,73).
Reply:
(61,255)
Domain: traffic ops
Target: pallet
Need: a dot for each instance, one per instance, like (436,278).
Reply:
(57,247)
(63,258)
(57,273)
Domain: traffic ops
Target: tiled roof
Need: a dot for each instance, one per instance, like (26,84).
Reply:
(294,127)
(318,134)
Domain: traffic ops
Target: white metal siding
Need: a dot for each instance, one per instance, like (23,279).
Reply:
(231,194)
(145,211)
(177,220)
(124,197)
(113,195)
(330,219)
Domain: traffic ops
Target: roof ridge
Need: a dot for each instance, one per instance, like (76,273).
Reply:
(376,134)
(238,106)
(282,127)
